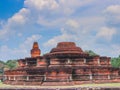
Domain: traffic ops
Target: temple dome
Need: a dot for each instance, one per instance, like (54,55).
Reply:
(66,47)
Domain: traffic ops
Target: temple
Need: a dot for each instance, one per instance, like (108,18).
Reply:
(66,64)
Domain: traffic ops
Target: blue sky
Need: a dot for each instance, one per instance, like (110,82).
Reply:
(91,24)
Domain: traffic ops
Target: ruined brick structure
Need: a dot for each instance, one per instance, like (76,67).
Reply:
(66,64)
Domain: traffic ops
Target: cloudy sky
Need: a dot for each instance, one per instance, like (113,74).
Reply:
(91,24)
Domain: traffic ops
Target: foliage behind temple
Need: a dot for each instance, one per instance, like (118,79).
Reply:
(10,64)
(115,61)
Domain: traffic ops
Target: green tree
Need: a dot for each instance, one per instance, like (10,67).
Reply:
(11,64)
(119,56)
(2,64)
(115,61)
(91,53)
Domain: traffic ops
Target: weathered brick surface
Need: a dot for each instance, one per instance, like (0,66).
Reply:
(66,64)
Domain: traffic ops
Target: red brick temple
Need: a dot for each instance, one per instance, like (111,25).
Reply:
(65,64)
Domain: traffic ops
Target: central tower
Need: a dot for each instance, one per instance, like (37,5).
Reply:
(35,50)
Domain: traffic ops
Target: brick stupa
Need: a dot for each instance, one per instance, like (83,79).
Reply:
(65,64)
(35,52)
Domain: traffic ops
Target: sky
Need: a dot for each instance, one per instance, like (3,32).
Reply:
(91,24)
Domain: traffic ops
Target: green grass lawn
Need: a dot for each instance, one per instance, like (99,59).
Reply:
(74,86)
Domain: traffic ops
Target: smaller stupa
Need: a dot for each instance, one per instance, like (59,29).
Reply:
(35,52)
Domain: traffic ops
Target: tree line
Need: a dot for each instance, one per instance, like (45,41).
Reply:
(8,65)
(115,62)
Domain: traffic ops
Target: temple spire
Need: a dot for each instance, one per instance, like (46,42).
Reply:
(35,50)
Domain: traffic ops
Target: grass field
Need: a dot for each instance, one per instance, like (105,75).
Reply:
(74,86)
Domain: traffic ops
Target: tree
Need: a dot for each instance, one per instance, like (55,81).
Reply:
(11,64)
(115,61)
(2,64)
(91,53)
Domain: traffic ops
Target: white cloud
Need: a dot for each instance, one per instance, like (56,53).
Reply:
(41,4)
(73,23)
(4,34)
(51,23)
(20,34)
(84,25)
(1,23)
(65,36)
(56,7)
(21,52)
(113,9)
(78,18)
(115,48)
(78,30)
(112,14)
(32,14)
(112,50)
(77,3)
(7,53)
(52,42)
(16,20)
(106,33)
(20,17)
(29,41)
